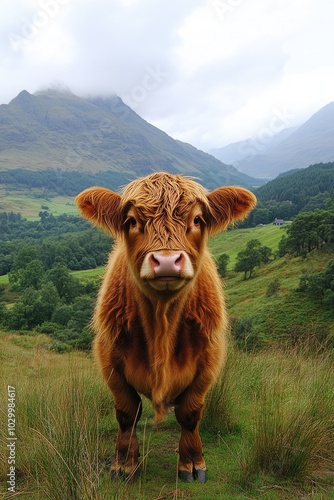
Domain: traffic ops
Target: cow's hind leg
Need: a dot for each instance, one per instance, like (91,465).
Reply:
(188,412)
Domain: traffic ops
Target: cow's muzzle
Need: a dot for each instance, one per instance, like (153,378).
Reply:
(166,269)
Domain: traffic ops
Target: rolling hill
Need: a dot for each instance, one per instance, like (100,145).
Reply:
(59,131)
(310,143)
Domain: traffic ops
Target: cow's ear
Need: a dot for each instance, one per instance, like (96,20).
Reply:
(228,204)
(101,206)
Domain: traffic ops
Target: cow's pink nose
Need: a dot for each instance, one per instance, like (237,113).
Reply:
(167,265)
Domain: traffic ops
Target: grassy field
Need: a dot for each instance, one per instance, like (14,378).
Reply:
(267,431)
(29,203)
(230,242)
(234,240)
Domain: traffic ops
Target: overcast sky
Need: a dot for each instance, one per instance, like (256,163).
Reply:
(208,72)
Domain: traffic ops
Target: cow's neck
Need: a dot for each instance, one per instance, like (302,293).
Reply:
(160,320)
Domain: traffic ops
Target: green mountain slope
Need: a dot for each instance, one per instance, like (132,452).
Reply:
(62,132)
(300,187)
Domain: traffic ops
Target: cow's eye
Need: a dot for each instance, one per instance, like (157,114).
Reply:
(197,220)
(132,222)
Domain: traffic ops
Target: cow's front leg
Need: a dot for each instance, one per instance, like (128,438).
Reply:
(128,411)
(188,411)
(128,408)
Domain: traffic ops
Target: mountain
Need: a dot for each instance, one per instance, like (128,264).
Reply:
(236,151)
(56,130)
(310,143)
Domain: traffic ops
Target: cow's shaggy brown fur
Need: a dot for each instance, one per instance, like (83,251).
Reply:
(160,318)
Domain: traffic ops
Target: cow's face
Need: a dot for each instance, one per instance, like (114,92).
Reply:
(164,221)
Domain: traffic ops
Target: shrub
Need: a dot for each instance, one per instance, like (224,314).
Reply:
(246,337)
(222,262)
(273,287)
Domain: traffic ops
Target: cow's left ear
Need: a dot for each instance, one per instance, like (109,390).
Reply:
(101,206)
(228,204)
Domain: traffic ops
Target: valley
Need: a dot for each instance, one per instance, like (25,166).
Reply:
(268,423)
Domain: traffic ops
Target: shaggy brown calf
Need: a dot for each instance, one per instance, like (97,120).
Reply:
(160,318)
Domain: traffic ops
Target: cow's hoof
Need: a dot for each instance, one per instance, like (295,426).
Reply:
(123,475)
(117,475)
(185,476)
(201,475)
(189,477)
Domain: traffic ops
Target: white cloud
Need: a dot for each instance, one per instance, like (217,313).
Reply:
(205,71)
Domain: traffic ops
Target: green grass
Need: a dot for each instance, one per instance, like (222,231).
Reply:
(287,313)
(276,316)
(4,279)
(29,203)
(234,240)
(267,431)
(89,274)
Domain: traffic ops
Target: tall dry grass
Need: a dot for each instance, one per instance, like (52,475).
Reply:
(60,436)
(292,432)
(278,404)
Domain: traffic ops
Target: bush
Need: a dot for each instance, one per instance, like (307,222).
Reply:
(60,347)
(273,287)
(245,335)
(222,262)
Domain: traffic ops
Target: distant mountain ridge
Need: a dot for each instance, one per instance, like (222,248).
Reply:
(60,131)
(312,142)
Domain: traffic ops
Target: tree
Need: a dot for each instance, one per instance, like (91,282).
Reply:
(309,231)
(319,286)
(222,262)
(266,253)
(49,300)
(30,274)
(67,286)
(249,258)
(25,255)
(25,314)
(33,307)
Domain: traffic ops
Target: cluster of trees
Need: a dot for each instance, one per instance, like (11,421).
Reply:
(319,286)
(50,299)
(38,257)
(65,183)
(252,256)
(309,231)
(13,226)
(65,239)
(301,190)
(300,186)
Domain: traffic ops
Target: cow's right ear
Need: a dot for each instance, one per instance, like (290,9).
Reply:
(101,206)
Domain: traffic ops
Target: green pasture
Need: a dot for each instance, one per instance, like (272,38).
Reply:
(267,430)
(234,240)
(29,203)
